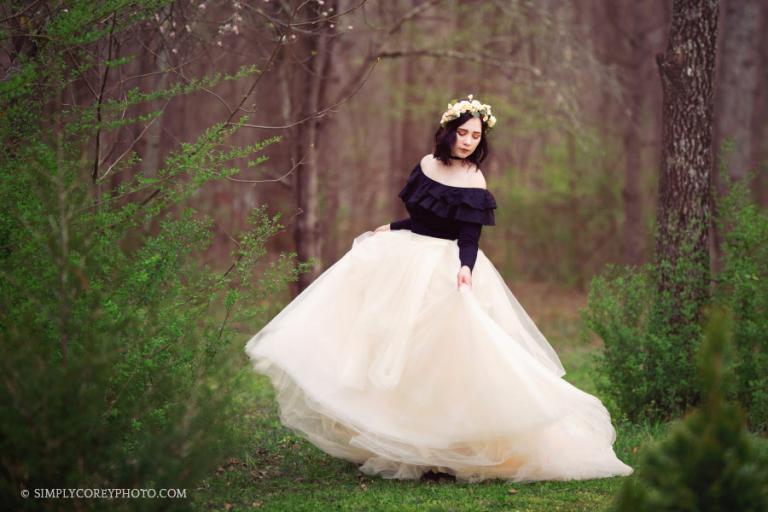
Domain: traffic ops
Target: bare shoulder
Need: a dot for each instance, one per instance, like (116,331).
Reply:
(477,179)
(434,169)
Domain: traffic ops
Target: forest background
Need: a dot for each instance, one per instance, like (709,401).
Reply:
(174,172)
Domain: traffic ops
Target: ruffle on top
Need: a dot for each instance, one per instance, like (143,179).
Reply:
(469,204)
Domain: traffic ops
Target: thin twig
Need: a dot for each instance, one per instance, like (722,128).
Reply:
(279,180)
(95,173)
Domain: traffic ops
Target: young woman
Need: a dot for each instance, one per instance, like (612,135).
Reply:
(411,355)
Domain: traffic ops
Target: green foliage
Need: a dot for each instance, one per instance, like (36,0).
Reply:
(743,287)
(120,352)
(650,338)
(618,311)
(708,461)
(649,372)
(560,214)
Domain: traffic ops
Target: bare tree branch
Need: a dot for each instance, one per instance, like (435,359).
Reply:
(100,99)
(279,179)
(473,57)
(320,113)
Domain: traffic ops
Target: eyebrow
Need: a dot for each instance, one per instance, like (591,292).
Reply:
(472,132)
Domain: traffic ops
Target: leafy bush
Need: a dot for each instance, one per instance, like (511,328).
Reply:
(618,304)
(708,461)
(118,369)
(650,368)
(743,287)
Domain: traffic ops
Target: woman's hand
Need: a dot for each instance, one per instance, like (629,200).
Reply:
(384,227)
(464,277)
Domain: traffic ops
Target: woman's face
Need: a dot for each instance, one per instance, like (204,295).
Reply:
(467,137)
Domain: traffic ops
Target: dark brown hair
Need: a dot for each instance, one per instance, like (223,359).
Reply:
(445,137)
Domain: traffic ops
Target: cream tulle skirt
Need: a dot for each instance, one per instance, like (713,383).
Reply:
(382,361)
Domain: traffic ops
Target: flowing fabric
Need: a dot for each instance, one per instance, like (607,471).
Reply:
(384,362)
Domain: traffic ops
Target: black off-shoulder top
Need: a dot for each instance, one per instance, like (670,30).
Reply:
(445,211)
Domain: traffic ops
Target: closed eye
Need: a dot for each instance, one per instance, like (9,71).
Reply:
(474,134)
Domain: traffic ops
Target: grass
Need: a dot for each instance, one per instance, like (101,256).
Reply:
(280,471)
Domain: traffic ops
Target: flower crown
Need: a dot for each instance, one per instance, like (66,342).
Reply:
(481,110)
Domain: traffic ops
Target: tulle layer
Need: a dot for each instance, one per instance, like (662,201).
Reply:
(382,361)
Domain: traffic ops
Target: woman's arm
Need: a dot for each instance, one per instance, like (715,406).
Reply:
(469,241)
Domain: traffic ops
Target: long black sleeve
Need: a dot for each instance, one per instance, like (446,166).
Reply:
(401,224)
(444,211)
(469,241)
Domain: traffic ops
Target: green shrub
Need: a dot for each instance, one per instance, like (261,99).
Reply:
(648,367)
(121,361)
(617,312)
(708,461)
(743,287)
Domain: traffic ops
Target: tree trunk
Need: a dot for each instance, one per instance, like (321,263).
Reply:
(633,203)
(634,86)
(736,102)
(686,70)
(409,147)
(739,80)
(761,150)
(329,130)
(306,231)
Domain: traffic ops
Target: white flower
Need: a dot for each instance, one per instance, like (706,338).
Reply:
(478,109)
